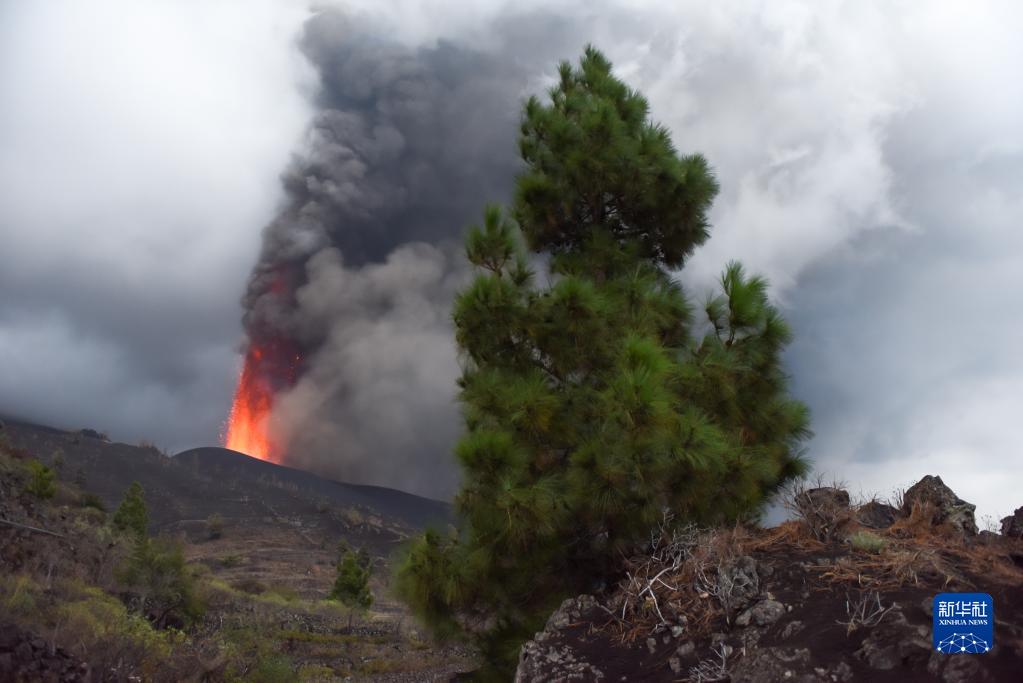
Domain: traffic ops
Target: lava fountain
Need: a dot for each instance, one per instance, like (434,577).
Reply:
(266,371)
(247,429)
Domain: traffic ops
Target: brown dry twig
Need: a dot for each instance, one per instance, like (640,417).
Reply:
(865,610)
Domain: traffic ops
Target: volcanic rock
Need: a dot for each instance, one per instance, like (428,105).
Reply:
(876,515)
(828,497)
(23,657)
(1013,524)
(825,509)
(544,661)
(770,664)
(950,508)
(738,582)
(763,613)
(894,643)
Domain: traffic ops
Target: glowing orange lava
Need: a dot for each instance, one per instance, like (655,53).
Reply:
(247,428)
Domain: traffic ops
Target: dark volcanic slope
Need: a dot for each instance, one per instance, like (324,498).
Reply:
(186,489)
(413,510)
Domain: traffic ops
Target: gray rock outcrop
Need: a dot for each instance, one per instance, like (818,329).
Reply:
(876,515)
(950,508)
(1012,525)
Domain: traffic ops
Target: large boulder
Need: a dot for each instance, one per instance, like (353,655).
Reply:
(949,508)
(876,515)
(1012,526)
(738,583)
(825,510)
(825,497)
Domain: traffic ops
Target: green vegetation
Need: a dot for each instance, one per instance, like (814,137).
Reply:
(231,561)
(596,402)
(867,542)
(132,515)
(281,595)
(315,672)
(42,481)
(214,526)
(17,594)
(128,604)
(351,587)
(89,621)
(163,583)
(272,669)
(91,500)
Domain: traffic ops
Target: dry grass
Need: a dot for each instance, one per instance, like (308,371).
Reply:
(919,551)
(808,501)
(791,534)
(864,611)
(682,582)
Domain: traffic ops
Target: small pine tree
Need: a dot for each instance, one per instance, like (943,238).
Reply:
(352,584)
(157,573)
(131,515)
(41,482)
(592,404)
(214,526)
(57,460)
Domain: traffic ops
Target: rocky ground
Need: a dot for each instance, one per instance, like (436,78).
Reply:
(30,657)
(841,594)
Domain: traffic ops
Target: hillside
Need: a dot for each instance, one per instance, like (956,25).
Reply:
(185,489)
(260,543)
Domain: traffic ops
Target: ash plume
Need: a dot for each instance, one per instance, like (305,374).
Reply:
(349,302)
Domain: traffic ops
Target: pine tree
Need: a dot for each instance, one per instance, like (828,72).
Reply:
(132,515)
(591,404)
(158,575)
(352,584)
(42,481)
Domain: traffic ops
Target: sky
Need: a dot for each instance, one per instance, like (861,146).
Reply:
(869,155)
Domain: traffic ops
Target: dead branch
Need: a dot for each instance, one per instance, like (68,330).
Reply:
(31,528)
(866,610)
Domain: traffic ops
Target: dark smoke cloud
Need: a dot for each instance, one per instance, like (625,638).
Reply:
(361,266)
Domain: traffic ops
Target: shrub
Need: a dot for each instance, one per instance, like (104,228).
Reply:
(214,526)
(316,672)
(101,628)
(92,516)
(132,515)
(156,571)
(231,561)
(273,669)
(18,595)
(57,460)
(823,507)
(352,584)
(280,594)
(249,585)
(42,481)
(867,542)
(91,500)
